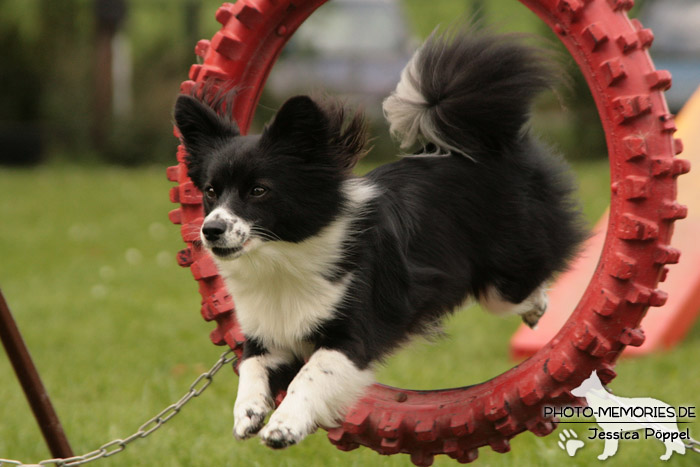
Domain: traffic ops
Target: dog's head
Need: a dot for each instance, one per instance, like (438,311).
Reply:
(282,185)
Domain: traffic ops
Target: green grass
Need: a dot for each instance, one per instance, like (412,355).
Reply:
(87,266)
(504,15)
(112,322)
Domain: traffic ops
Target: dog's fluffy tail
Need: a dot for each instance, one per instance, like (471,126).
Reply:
(467,91)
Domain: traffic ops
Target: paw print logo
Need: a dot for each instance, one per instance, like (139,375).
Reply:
(569,442)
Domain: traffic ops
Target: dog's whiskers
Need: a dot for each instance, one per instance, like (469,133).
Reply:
(264,233)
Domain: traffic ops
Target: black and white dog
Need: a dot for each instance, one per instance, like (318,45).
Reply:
(331,272)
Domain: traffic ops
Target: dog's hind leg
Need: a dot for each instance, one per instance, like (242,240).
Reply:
(530,310)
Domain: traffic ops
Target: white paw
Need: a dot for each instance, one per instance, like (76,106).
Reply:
(539,305)
(284,431)
(249,416)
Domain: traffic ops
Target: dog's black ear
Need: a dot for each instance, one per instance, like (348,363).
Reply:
(202,131)
(301,124)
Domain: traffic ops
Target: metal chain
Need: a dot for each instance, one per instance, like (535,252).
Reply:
(196,388)
(693,445)
(118,445)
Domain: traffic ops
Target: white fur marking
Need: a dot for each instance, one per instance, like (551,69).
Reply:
(407,112)
(237,229)
(531,309)
(320,394)
(405,107)
(254,401)
(281,289)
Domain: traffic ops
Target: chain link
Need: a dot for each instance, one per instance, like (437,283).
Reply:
(693,445)
(197,387)
(118,445)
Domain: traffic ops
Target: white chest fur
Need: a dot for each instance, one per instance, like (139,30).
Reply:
(282,290)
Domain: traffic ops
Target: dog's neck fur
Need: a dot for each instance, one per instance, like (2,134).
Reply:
(283,290)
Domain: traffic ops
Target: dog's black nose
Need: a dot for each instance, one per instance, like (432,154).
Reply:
(213,229)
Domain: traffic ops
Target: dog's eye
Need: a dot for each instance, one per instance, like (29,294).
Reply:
(210,193)
(258,191)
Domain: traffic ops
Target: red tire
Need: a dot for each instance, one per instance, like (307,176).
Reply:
(611,53)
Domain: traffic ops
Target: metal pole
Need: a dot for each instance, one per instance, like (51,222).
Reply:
(31,383)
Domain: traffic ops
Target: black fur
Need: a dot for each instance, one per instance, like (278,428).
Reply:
(304,155)
(482,87)
(440,229)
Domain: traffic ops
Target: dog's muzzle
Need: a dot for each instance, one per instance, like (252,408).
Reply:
(224,234)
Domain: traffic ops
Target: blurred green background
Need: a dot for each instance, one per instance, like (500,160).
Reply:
(58,104)
(87,255)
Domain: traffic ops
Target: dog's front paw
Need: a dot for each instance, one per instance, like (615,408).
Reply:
(249,416)
(282,432)
(539,306)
